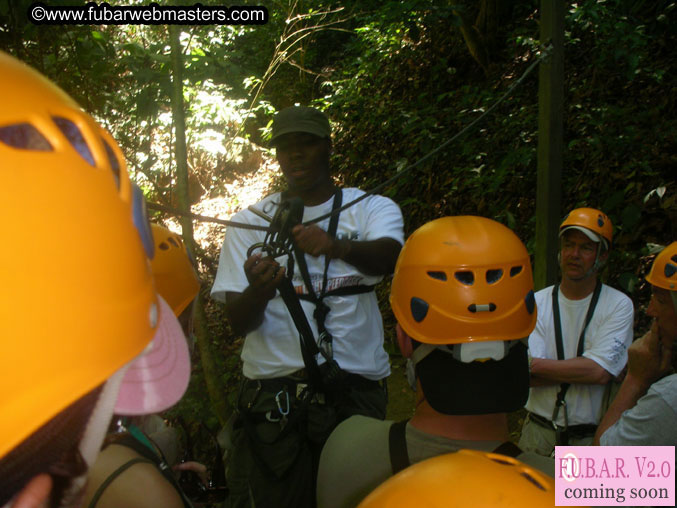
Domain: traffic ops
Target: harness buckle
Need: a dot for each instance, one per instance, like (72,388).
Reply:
(325,343)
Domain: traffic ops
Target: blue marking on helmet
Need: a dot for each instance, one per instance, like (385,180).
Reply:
(419,309)
(530,302)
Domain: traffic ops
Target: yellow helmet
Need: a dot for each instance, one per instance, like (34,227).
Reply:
(467,478)
(78,300)
(173,271)
(464,279)
(589,220)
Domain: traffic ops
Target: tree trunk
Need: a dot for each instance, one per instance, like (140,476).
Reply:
(212,379)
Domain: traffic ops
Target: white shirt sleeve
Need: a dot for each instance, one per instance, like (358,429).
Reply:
(230,275)
(384,219)
(608,347)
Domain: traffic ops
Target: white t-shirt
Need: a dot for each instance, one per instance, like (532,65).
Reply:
(651,422)
(607,339)
(273,349)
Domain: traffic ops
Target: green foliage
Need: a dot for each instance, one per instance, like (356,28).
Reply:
(397,80)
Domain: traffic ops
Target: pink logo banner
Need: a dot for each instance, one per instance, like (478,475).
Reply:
(615,476)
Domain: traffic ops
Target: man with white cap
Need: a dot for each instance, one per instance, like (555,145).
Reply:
(82,332)
(580,341)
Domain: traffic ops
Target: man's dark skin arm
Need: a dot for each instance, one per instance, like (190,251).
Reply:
(373,257)
(245,310)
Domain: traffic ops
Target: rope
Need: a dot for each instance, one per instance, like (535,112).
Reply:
(545,54)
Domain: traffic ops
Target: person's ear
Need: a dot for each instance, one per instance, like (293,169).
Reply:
(404,341)
(35,493)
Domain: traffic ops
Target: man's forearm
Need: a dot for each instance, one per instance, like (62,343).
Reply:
(579,370)
(374,257)
(629,393)
(245,310)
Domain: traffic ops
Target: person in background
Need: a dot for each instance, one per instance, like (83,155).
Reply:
(580,341)
(644,412)
(82,331)
(463,298)
(285,413)
(134,469)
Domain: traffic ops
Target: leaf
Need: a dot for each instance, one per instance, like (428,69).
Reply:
(628,282)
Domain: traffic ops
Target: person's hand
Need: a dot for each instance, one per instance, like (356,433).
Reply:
(648,359)
(312,240)
(196,467)
(264,275)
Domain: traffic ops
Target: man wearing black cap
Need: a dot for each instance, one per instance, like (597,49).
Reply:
(283,417)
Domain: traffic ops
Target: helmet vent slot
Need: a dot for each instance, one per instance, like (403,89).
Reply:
(465,277)
(75,137)
(164,246)
(515,270)
(25,137)
(438,275)
(533,480)
(493,276)
(173,242)
(114,163)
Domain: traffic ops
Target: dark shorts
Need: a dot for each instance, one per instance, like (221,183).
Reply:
(274,456)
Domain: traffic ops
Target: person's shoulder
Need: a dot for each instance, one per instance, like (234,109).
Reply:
(617,298)
(543,295)
(360,425)
(666,384)
(352,193)
(266,205)
(140,485)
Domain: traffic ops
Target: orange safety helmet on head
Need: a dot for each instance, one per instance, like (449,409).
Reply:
(464,279)
(465,478)
(663,273)
(173,271)
(589,220)
(77,300)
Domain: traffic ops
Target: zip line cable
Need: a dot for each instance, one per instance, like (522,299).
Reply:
(545,54)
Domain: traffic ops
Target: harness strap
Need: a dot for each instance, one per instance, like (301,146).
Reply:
(309,347)
(138,441)
(397,444)
(564,387)
(321,309)
(99,492)
(509,448)
(399,455)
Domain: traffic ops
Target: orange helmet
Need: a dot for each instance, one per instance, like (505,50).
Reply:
(663,273)
(173,271)
(78,300)
(589,220)
(463,279)
(465,478)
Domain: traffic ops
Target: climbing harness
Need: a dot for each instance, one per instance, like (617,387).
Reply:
(562,431)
